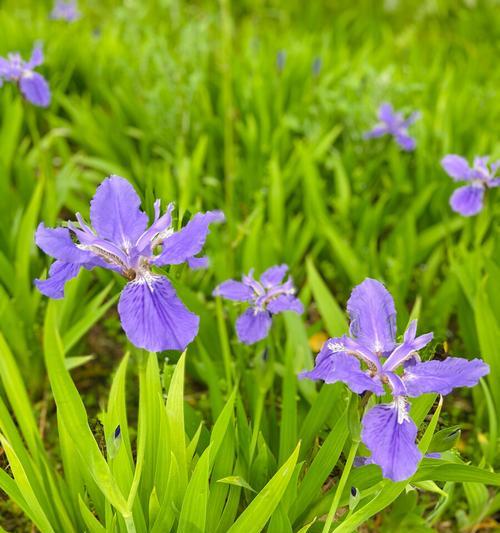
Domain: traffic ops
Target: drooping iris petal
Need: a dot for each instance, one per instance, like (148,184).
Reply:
(285,302)
(57,243)
(153,316)
(467,201)
(35,89)
(405,141)
(189,241)
(443,376)
(456,167)
(332,366)
(389,433)
(273,276)
(373,316)
(234,290)
(253,325)
(59,274)
(115,212)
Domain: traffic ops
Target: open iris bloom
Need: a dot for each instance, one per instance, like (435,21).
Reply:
(65,10)
(392,123)
(32,85)
(468,200)
(267,297)
(371,360)
(119,239)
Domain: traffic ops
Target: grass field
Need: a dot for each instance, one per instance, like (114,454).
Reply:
(257,109)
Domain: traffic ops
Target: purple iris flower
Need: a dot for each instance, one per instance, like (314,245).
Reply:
(392,123)
(33,85)
(267,297)
(119,239)
(468,200)
(67,11)
(371,360)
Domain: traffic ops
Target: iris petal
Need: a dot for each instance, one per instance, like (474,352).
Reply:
(153,316)
(115,212)
(389,433)
(443,376)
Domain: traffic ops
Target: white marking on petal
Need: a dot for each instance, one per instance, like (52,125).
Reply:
(336,347)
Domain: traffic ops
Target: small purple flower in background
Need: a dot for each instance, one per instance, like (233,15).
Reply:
(151,314)
(33,86)
(267,297)
(316,66)
(371,360)
(468,200)
(392,123)
(65,10)
(280,60)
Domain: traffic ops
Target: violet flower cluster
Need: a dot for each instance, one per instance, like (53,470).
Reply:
(394,124)
(119,239)
(371,360)
(33,86)
(468,200)
(267,296)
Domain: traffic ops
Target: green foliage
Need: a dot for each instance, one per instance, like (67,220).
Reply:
(187,102)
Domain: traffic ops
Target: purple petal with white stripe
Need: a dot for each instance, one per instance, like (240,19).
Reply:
(442,377)
(153,317)
(332,366)
(389,433)
(253,325)
(373,316)
(467,201)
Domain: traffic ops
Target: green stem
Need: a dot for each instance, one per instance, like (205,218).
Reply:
(340,487)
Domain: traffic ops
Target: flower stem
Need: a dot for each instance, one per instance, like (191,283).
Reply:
(340,487)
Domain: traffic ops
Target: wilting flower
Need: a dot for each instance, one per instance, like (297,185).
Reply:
(267,297)
(468,200)
(67,11)
(392,123)
(33,85)
(371,360)
(119,239)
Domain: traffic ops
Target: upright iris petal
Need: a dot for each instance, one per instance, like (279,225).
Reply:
(267,297)
(373,316)
(152,315)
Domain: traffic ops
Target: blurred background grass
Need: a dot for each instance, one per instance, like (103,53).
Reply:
(258,108)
